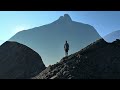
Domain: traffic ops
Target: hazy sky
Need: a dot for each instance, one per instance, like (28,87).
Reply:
(13,21)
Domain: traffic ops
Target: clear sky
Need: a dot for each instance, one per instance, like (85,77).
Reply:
(12,22)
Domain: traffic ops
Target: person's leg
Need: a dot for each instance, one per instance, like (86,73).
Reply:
(65,53)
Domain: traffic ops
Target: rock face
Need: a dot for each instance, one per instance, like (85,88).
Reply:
(99,60)
(18,61)
(51,37)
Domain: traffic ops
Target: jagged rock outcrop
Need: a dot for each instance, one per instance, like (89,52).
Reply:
(18,61)
(99,60)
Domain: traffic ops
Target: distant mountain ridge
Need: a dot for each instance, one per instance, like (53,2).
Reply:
(112,36)
(48,40)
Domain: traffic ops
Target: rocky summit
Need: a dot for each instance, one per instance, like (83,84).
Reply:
(99,60)
(18,61)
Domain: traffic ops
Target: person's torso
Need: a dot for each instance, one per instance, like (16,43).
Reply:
(66,46)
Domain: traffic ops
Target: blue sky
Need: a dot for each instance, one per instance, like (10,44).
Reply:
(12,22)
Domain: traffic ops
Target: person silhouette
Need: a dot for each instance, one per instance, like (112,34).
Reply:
(66,48)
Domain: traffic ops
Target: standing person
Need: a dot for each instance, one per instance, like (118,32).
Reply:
(66,48)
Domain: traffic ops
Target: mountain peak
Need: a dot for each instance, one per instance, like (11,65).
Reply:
(66,17)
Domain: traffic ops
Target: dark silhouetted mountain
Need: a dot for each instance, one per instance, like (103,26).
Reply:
(112,36)
(18,61)
(99,60)
(48,40)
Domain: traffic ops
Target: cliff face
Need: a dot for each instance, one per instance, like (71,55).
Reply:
(99,60)
(18,61)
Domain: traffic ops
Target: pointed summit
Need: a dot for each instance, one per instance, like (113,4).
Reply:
(65,18)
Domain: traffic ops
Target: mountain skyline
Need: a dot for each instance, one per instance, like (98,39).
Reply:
(12,22)
(32,45)
(48,40)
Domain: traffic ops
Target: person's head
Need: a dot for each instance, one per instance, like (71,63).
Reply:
(66,41)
